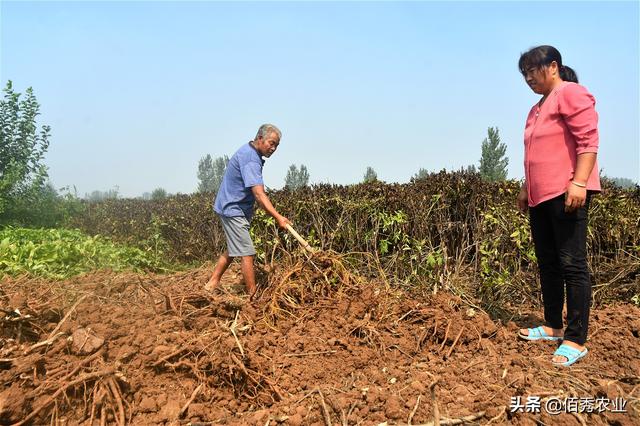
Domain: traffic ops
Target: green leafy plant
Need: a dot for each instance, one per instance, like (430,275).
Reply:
(61,253)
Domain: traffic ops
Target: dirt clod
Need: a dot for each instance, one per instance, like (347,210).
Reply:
(12,404)
(148,405)
(84,342)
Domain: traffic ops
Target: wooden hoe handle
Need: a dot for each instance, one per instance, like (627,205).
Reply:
(301,240)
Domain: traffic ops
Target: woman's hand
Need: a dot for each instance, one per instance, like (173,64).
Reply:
(523,199)
(574,198)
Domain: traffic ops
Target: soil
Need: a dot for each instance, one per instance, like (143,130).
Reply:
(124,348)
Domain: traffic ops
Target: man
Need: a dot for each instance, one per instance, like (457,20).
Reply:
(241,186)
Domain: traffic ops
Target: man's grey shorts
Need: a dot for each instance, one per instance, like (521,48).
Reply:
(238,239)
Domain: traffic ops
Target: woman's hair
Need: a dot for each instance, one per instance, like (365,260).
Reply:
(542,56)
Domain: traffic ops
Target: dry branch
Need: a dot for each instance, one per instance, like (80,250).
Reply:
(502,411)
(454,342)
(194,395)
(310,353)
(325,411)
(53,397)
(434,400)
(413,412)
(77,368)
(446,334)
(47,342)
(115,390)
(168,356)
(73,308)
(457,421)
(233,328)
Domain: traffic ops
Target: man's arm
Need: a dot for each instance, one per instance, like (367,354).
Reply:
(265,203)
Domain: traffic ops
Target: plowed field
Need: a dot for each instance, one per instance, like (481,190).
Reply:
(106,348)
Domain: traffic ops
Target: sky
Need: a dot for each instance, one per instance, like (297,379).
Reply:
(136,93)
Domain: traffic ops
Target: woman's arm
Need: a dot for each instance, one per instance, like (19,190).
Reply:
(577,107)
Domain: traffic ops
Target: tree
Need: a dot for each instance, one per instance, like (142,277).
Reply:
(422,174)
(22,147)
(624,183)
(296,178)
(470,169)
(211,172)
(493,162)
(370,175)
(159,194)
(48,208)
(109,194)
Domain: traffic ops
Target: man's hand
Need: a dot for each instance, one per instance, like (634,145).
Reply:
(523,200)
(574,198)
(282,221)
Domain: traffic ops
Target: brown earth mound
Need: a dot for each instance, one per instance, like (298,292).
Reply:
(108,348)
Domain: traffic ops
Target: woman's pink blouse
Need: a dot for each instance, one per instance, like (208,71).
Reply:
(565,126)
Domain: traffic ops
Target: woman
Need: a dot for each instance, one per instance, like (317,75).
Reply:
(561,173)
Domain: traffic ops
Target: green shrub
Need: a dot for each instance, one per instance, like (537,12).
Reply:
(42,208)
(442,230)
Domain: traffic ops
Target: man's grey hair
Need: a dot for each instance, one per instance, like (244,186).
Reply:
(265,129)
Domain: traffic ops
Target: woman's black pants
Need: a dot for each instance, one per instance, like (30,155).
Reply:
(560,241)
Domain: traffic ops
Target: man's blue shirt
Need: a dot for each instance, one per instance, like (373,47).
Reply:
(244,171)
